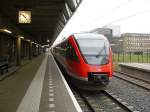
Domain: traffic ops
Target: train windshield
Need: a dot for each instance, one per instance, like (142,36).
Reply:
(95,51)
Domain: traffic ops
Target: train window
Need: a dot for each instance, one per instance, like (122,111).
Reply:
(63,45)
(95,51)
(63,48)
(70,53)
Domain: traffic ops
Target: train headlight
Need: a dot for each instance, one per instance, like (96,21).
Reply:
(110,78)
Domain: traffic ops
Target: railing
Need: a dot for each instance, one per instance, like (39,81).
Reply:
(131,57)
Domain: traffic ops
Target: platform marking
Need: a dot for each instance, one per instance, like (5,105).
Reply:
(50,84)
(51,94)
(78,108)
(51,99)
(50,79)
(52,105)
(31,100)
(50,87)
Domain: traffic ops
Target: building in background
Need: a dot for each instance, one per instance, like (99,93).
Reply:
(108,32)
(105,31)
(115,30)
(134,43)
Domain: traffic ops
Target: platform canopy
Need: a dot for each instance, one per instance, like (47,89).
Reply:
(48,17)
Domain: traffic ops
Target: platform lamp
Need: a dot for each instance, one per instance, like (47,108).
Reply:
(48,42)
(5,30)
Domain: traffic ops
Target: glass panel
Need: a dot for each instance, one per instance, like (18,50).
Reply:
(70,53)
(95,51)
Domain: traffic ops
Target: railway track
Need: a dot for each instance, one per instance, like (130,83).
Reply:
(136,81)
(84,104)
(102,101)
(132,76)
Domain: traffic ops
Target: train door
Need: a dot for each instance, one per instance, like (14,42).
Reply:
(71,59)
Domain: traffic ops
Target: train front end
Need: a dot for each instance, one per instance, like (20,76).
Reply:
(94,70)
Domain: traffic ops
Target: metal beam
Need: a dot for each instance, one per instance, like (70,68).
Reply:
(71,5)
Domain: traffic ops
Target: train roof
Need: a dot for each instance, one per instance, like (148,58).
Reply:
(89,36)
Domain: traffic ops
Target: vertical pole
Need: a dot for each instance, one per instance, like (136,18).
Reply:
(123,56)
(147,56)
(130,57)
(142,56)
(30,50)
(18,50)
(23,49)
(138,57)
(1,45)
(38,50)
(33,49)
(118,57)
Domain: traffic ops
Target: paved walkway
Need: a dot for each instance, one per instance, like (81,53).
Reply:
(140,66)
(37,87)
(13,88)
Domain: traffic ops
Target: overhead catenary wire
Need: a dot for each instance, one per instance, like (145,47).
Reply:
(117,19)
(130,16)
(107,12)
(127,17)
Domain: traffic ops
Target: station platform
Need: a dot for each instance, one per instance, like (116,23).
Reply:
(38,86)
(140,66)
(138,70)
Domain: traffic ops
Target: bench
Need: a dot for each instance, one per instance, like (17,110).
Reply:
(3,64)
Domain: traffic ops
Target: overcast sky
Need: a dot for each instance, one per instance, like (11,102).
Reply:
(130,15)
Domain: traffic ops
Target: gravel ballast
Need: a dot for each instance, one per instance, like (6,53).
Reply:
(135,96)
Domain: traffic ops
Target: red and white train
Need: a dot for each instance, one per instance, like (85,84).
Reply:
(87,59)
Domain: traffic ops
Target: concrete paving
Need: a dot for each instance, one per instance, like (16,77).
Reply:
(13,88)
(38,86)
(133,80)
(136,70)
(56,95)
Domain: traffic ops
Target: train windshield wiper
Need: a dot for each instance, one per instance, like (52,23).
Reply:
(100,52)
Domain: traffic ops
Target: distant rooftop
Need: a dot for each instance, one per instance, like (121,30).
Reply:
(136,34)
